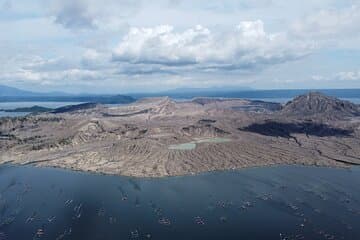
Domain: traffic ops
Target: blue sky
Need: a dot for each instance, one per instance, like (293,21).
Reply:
(114,46)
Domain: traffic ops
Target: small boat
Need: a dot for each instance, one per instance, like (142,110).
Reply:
(78,211)
(242,207)
(134,234)
(317,210)
(3,236)
(7,221)
(329,236)
(68,231)
(293,207)
(112,220)
(51,219)
(78,216)
(78,207)
(31,218)
(68,202)
(101,212)
(158,211)
(63,235)
(39,233)
(248,204)
(199,221)
(164,221)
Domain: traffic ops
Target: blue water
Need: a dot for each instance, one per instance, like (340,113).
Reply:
(256,94)
(258,203)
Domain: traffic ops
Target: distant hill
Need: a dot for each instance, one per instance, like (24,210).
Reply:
(65,109)
(6,91)
(33,109)
(11,94)
(72,108)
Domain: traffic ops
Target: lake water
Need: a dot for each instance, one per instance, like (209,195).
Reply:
(283,202)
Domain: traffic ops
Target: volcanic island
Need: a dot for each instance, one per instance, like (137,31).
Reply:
(157,137)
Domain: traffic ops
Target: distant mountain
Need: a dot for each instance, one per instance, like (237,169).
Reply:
(6,91)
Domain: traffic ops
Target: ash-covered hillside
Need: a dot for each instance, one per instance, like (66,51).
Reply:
(319,106)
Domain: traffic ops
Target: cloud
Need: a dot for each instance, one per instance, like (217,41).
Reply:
(55,71)
(74,15)
(92,14)
(245,47)
(330,23)
(6,5)
(348,76)
(340,76)
(96,59)
(71,76)
(164,52)
(318,78)
(224,5)
(39,64)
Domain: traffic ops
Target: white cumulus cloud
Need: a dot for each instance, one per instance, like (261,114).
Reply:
(247,46)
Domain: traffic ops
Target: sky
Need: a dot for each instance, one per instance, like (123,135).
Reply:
(123,46)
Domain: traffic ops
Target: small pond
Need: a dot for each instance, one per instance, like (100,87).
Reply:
(192,145)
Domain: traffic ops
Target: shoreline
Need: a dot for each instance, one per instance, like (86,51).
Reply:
(99,173)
